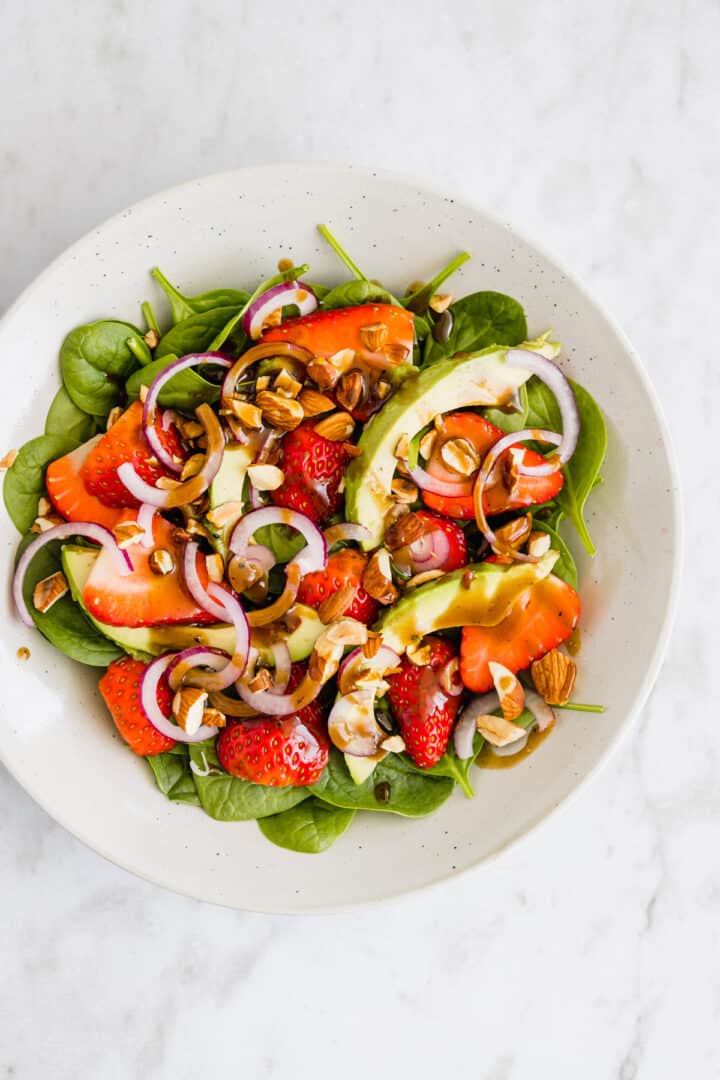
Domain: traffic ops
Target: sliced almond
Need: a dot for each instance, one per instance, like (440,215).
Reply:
(554,677)
(509,690)
(404,490)
(409,528)
(377,578)
(152,338)
(423,578)
(373,336)
(214,718)
(394,744)
(427,443)
(248,414)
(396,353)
(44,506)
(44,524)
(226,513)
(314,403)
(9,459)
(336,427)
(538,544)
(402,448)
(440,302)
(215,567)
(196,528)
(498,731)
(350,389)
(460,455)
(161,562)
(127,533)
(336,604)
(515,533)
(323,374)
(418,653)
(266,477)
(189,429)
(192,466)
(287,385)
(343,359)
(188,708)
(48,591)
(167,483)
(346,632)
(282,413)
(262,382)
(261,680)
(373,645)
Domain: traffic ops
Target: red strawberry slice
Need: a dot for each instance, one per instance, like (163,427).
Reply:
(500,496)
(325,333)
(539,620)
(68,493)
(421,707)
(314,468)
(125,442)
(457,555)
(281,751)
(144,598)
(120,687)
(345,567)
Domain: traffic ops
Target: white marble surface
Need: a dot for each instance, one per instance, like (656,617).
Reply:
(593,950)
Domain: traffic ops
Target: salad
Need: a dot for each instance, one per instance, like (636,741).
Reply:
(313,537)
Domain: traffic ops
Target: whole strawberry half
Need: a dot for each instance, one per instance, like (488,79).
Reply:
(283,751)
(314,468)
(344,568)
(125,442)
(120,688)
(424,712)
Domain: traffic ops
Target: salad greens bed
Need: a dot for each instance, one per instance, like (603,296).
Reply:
(105,363)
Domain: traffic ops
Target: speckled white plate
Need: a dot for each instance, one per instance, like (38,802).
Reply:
(55,736)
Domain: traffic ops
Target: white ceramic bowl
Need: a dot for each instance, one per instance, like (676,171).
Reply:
(55,736)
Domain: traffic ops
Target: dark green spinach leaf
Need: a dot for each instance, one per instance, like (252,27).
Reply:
(64,418)
(565,567)
(310,827)
(25,479)
(283,541)
(197,333)
(226,798)
(95,361)
(479,320)
(184,391)
(412,793)
(173,775)
(354,293)
(510,421)
(182,307)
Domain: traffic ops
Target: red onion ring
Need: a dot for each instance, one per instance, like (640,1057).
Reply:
(150,404)
(450,489)
(195,586)
(535,434)
(225,607)
(283,667)
(279,296)
(148,700)
(98,533)
(543,713)
(310,558)
(259,352)
(268,703)
(384,660)
(262,556)
(464,734)
(185,662)
(449,678)
(346,530)
(550,374)
(168,418)
(145,519)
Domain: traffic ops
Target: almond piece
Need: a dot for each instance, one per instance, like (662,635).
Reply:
(421,579)
(538,543)
(143,393)
(287,385)
(215,567)
(509,690)
(188,708)
(460,455)
(189,429)
(48,591)
(214,718)
(113,417)
(226,513)
(427,443)
(44,506)
(266,477)
(323,374)
(394,744)
(350,389)
(396,353)
(554,677)
(43,524)
(373,645)
(373,336)
(404,490)
(282,413)
(498,731)
(336,427)
(346,632)
(515,533)
(167,483)
(314,403)
(161,562)
(151,339)
(192,466)
(248,414)
(128,533)
(410,527)
(440,302)
(402,448)
(418,654)
(382,389)
(261,680)
(467,578)
(9,459)
(377,578)
(336,604)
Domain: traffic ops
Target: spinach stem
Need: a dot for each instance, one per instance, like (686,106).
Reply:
(139,350)
(576,706)
(149,316)
(418,300)
(341,253)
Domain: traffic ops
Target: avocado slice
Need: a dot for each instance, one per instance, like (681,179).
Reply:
(142,641)
(229,480)
(448,602)
(479,379)
(360,768)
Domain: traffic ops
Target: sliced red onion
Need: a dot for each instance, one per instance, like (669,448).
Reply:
(97,533)
(279,296)
(451,489)
(267,703)
(283,667)
(256,499)
(550,374)
(543,713)
(352,726)
(464,734)
(150,405)
(168,418)
(384,660)
(218,610)
(145,517)
(224,607)
(195,657)
(262,556)
(260,352)
(534,434)
(312,557)
(346,530)
(449,678)
(148,699)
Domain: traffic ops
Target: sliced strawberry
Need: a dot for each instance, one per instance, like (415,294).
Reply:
(325,333)
(539,620)
(68,493)
(120,687)
(314,468)
(423,710)
(144,598)
(503,494)
(344,568)
(457,555)
(125,442)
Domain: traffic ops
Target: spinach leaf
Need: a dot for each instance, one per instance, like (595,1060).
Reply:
(181,307)
(64,418)
(230,330)
(419,300)
(581,472)
(411,793)
(173,775)
(282,541)
(480,320)
(95,360)
(65,625)
(226,798)
(457,769)
(510,421)
(184,391)
(310,827)
(354,293)
(25,479)
(197,334)
(565,566)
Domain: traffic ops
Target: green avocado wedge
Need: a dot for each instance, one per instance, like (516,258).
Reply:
(451,601)
(144,641)
(481,379)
